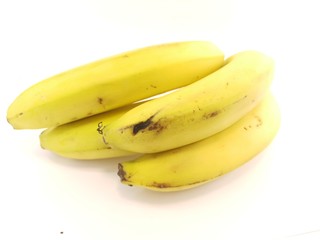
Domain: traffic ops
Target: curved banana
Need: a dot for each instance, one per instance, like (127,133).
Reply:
(203,161)
(196,111)
(83,139)
(113,82)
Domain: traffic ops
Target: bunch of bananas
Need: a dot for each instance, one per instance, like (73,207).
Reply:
(182,111)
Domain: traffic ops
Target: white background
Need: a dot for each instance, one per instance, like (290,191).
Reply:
(275,196)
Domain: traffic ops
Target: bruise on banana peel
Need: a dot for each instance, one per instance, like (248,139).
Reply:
(142,125)
(212,114)
(148,124)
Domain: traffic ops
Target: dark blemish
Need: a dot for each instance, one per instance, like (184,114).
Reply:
(124,128)
(142,125)
(160,185)
(157,127)
(61,232)
(167,185)
(126,56)
(100,100)
(20,114)
(247,127)
(89,113)
(121,173)
(227,84)
(152,86)
(259,121)
(211,115)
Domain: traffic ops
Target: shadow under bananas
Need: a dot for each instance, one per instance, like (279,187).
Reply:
(109,165)
(220,189)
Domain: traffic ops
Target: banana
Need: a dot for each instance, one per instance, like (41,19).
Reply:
(204,161)
(113,82)
(83,139)
(196,111)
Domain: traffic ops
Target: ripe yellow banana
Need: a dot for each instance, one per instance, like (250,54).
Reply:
(83,139)
(203,161)
(196,111)
(113,82)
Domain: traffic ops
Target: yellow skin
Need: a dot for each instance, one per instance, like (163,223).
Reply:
(113,82)
(196,111)
(83,139)
(203,161)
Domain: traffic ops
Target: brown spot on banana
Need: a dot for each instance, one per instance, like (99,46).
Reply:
(121,173)
(160,185)
(149,124)
(157,127)
(169,186)
(124,177)
(211,114)
(258,124)
(100,100)
(142,125)
(259,120)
